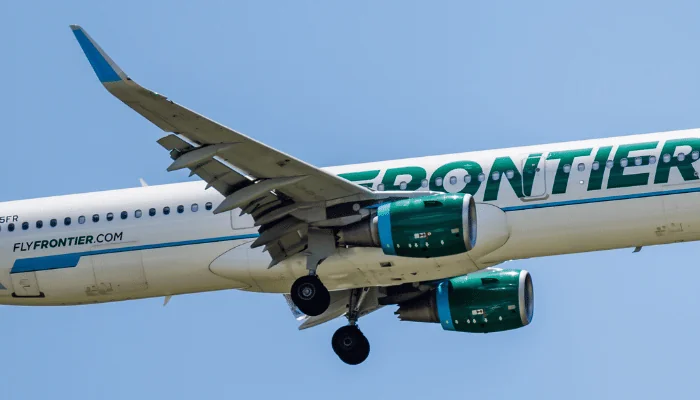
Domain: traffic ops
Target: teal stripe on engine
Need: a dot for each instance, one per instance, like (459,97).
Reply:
(384,227)
(443,306)
(71,260)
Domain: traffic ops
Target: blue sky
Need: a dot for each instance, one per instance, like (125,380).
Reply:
(347,82)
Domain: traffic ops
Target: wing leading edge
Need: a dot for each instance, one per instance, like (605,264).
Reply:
(242,152)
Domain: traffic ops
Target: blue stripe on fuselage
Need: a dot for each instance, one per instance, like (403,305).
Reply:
(71,260)
(601,199)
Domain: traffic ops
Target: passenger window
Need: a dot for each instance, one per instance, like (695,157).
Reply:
(11,227)
(423,184)
(81,219)
(25,226)
(208,206)
(66,221)
(581,167)
(623,162)
(152,212)
(96,218)
(53,223)
(110,216)
(438,181)
(138,213)
(609,164)
(567,168)
(180,209)
(495,175)
(595,166)
(467,178)
(681,156)
(403,185)
(124,215)
(482,177)
(695,155)
(666,158)
(195,207)
(453,180)
(652,159)
(166,210)
(39,224)
(380,187)
(638,161)
(510,174)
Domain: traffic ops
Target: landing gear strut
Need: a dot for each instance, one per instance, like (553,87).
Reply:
(308,292)
(348,342)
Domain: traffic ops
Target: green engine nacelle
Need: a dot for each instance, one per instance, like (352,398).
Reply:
(489,301)
(429,226)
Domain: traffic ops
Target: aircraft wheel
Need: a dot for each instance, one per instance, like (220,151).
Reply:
(310,295)
(350,344)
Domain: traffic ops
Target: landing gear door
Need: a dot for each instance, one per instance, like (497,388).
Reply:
(25,284)
(117,272)
(534,177)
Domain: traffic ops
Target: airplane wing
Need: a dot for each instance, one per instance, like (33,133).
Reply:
(284,195)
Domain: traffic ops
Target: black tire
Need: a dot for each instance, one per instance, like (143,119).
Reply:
(350,344)
(310,295)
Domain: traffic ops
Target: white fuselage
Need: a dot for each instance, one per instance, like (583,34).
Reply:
(648,194)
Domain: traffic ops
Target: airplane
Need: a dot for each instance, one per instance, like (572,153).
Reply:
(346,240)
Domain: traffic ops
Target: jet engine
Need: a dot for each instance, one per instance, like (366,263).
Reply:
(493,300)
(427,226)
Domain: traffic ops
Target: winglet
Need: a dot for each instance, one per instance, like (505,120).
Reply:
(106,70)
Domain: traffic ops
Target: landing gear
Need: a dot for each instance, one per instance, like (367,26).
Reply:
(310,295)
(308,292)
(350,344)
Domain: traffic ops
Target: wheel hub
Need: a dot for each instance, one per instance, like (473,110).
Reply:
(350,345)
(307,292)
(310,296)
